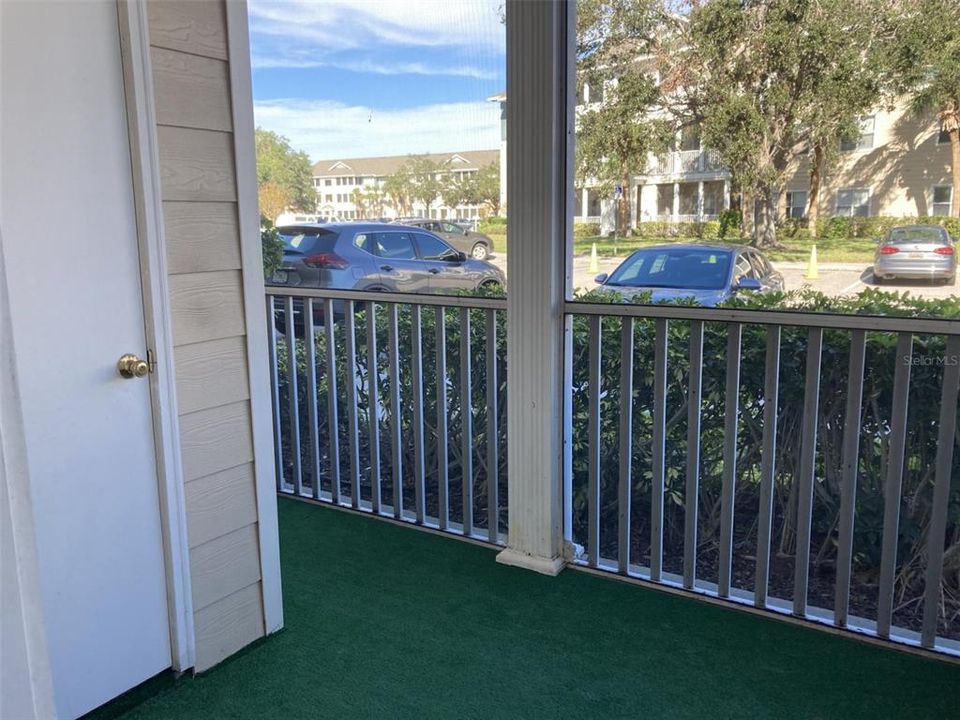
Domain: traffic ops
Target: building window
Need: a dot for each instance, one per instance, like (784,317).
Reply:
(865,141)
(689,137)
(943,137)
(328,198)
(595,91)
(942,200)
(593,203)
(853,202)
(328,182)
(797,204)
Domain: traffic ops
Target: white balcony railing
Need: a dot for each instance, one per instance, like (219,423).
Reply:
(774,459)
(369,414)
(794,462)
(685,162)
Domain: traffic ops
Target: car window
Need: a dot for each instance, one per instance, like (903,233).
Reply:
(742,268)
(681,267)
(394,245)
(918,235)
(362,241)
(451,228)
(433,248)
(306,240)
(760,265)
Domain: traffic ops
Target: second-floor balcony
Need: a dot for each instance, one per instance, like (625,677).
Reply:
(684,163)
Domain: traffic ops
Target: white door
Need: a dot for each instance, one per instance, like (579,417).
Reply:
(69,235)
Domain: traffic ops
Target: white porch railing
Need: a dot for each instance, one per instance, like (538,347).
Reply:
(799,463)
(728,453)
(369,414)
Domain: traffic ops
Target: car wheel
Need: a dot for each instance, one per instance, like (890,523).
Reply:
(879,280)
(480,252)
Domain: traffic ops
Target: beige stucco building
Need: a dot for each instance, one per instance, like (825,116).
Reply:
(899,166)
(335,182)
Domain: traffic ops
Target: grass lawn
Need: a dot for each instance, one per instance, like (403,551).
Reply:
(846,250)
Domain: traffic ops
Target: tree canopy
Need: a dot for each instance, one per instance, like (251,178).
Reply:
(479,188)
(615,136)
(284,175)
(766,81)
(926,67)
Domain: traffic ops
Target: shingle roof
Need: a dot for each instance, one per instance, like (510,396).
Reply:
(382,166)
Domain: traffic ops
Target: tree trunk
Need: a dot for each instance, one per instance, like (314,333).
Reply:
(623,217)
(813,201)
(746,218)
(955,170)
(765,233)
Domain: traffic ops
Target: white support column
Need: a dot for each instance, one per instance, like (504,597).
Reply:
(726,194)
(676,201)
(700,201)
(540,135)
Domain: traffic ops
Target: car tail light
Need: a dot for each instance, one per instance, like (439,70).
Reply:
(945,250)
(888,250)
(325,260)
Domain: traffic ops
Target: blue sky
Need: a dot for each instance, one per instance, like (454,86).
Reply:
(355,78)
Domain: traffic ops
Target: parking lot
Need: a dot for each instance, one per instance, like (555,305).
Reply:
(834,278)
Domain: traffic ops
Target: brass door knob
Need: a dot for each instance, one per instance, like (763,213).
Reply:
(130,366)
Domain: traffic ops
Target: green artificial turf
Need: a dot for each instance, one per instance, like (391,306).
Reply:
(387,622)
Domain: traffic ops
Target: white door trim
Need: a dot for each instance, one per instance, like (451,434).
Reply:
(254,301)
(145,162)
(15,486)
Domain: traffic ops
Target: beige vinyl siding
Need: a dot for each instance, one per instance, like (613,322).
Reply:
(191,78)
(900,169)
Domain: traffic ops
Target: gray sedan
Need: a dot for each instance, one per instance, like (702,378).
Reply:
(917,252)
(706,274)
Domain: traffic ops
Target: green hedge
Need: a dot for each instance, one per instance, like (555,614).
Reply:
(494,222)
(831,228)
(586,229)
(857,227)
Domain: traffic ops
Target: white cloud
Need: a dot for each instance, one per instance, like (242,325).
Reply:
(328,130)
(377,68)
(355,34)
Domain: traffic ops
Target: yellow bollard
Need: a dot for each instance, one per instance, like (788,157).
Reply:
(813,271)
(594,263)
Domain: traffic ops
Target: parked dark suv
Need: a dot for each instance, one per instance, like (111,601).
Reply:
(475,244)
(375,257)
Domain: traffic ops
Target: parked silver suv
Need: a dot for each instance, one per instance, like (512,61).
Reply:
(371,257)
(376,256)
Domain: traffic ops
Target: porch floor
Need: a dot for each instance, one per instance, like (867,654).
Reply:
(385,621)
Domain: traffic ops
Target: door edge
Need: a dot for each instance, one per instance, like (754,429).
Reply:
(145,165)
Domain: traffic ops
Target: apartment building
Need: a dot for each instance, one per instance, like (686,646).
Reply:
(352,189)
(899,166)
